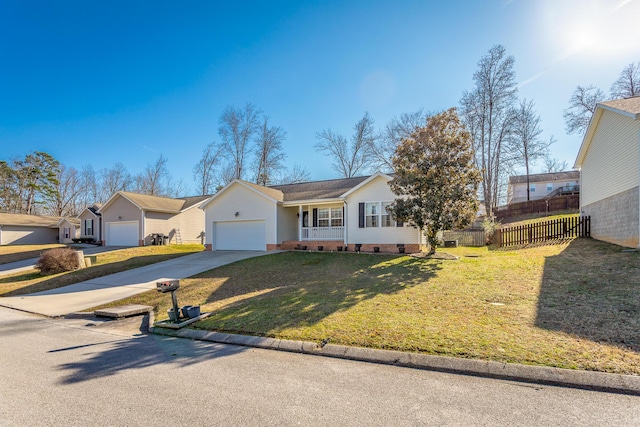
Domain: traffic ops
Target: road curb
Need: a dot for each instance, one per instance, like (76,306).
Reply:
(589,380)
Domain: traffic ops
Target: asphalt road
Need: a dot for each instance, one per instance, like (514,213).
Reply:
(79,372)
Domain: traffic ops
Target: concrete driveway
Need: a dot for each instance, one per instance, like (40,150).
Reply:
(106,289)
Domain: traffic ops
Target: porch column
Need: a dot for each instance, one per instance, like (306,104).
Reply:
(299,222)
(344,222)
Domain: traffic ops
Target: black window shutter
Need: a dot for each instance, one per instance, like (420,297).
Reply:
(360,215)
(315,217)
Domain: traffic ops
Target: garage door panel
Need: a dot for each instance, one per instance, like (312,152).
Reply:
(122,233)
(239,235)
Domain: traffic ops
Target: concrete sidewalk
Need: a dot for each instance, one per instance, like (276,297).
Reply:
(103,290)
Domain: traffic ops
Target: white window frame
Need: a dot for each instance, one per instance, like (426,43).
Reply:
(372,214)
(330,217)
(376,215)
(336,217)
(549,186)
(385,217)
(532,188)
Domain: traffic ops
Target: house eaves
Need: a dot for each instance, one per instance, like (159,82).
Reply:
(290,203)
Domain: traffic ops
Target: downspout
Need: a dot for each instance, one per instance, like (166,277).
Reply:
(275,219)
(300,218)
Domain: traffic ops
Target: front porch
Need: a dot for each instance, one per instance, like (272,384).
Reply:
(322,233)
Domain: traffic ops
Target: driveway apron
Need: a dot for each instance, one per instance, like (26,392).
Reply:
(106,289)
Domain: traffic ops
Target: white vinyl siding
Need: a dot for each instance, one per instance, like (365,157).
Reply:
(377,189)
(249,205)
(611,165)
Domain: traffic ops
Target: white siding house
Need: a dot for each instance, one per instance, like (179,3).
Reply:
(326,215)
(609,161)
(542,185)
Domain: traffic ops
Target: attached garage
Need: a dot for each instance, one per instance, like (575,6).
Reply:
(24,235)
(239,235)
(122,233)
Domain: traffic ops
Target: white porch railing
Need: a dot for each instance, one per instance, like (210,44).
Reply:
(322,233)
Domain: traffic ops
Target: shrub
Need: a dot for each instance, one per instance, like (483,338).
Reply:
(58,260)
(490,226)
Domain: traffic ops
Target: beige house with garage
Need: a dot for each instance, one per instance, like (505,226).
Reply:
(340,214)
(68,229)
(22,229)
(132,219)
(609,162)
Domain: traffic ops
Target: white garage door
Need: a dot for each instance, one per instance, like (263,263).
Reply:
(122,233)
(239,236)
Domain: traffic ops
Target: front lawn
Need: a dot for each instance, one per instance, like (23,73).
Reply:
(30,281)
(575,305)
(12,253)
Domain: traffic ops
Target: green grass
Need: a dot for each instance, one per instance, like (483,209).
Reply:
(572,306)
(106,263)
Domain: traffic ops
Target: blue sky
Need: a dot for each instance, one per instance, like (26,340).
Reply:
(103,82)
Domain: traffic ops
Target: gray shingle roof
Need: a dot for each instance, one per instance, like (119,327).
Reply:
(162,204)
(545,177)
(28,220)
(328,189)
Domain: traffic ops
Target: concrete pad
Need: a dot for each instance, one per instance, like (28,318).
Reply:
(106,289)
(123,311)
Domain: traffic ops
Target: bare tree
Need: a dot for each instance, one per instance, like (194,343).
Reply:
(582,105)
(295,175)
(552,164)
(237,126)
(113,180)
(383,148)
(486,111)
(204,170)
(628,83)
(524,143)
(68,189)
(150,181)
(269,153)
(349,159)
(90,188)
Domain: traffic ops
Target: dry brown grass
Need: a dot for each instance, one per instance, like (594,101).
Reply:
(12,253)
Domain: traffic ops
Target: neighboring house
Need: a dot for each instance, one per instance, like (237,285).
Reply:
(91,223)
(609,162)
(333,214)
(22,229)
(131,219)
(542,185)
(68,229)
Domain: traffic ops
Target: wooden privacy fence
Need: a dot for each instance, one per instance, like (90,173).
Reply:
(466,238)
(560,203)
(544,231)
